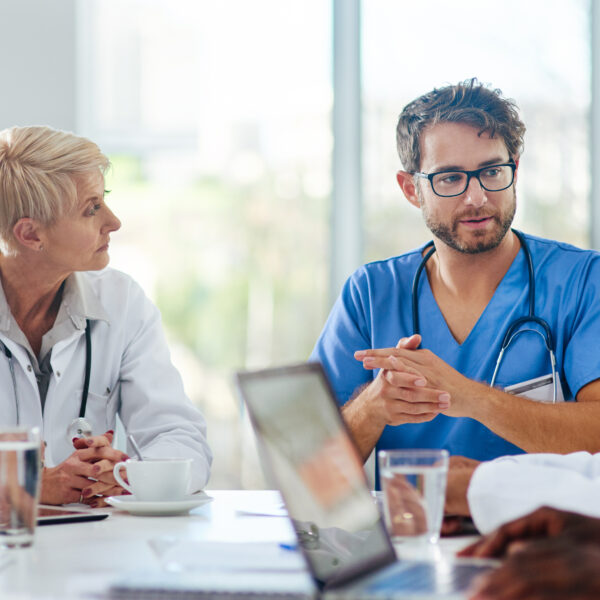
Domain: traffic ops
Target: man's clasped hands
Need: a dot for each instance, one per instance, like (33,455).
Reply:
(548,554)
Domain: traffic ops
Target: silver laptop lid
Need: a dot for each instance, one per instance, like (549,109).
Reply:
(307,451)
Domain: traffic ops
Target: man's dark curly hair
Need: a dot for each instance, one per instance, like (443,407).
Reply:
(469,102)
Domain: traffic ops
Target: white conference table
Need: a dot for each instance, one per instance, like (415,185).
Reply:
(81,560)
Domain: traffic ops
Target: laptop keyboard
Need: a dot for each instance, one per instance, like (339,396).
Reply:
(167,594)
(426,577)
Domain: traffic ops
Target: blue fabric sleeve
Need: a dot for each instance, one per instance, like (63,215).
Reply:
(345,332)
(582,353)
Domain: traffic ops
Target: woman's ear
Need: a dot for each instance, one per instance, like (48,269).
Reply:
(27,233)
(406,181)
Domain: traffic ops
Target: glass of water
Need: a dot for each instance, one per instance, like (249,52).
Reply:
(414,491)
(19,485)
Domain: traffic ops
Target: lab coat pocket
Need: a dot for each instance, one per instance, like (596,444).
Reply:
(540,389)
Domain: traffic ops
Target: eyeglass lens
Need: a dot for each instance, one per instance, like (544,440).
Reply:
(492,179)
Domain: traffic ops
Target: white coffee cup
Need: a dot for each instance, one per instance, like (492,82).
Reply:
(156,479)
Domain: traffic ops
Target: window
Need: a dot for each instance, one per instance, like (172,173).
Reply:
(216,116)
(536,52)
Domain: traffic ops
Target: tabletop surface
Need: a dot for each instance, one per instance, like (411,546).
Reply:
(83,559)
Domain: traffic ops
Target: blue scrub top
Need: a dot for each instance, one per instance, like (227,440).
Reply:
(374,311)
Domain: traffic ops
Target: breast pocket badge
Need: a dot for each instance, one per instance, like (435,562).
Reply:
(540,389)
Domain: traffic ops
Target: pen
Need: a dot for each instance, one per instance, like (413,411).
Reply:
(291,547)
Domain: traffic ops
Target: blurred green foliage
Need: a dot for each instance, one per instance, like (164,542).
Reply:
(210,245)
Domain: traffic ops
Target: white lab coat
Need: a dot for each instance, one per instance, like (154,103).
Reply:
(131,374)
(512,486)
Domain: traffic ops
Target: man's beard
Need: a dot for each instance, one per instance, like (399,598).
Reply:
(448,233)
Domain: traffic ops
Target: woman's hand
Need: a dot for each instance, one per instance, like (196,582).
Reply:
(85,476)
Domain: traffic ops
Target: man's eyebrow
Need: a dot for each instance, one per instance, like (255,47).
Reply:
(497,160)
(494,161)
(447,168)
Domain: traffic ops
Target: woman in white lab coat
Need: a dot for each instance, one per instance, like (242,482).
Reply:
(79,343)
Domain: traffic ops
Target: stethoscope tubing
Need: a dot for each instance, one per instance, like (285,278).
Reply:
(11,366)
(86,382)
(88,369)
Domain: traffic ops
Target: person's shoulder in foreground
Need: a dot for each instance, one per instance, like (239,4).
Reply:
(512,486)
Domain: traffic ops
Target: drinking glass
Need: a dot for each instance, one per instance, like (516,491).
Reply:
(19,485)
(414,490)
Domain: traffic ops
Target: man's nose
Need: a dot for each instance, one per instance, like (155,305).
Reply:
(475,194)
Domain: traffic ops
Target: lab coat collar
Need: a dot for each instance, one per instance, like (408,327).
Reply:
(4,311)
(80,301)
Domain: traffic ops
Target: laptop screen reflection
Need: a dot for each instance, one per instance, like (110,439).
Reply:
(307,453)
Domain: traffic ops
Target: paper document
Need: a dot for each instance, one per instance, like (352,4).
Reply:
(5,559)
(189,555)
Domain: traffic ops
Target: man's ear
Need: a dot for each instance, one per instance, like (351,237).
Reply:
(27,233)
(516,170)
(406,181)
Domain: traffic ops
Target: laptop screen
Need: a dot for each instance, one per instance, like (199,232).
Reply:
(306,449)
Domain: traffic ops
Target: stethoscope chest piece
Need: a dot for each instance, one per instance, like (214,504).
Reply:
(79,428)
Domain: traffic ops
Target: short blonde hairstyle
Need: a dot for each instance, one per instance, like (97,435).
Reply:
(38,167)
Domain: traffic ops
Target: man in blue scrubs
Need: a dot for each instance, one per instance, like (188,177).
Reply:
(460,148)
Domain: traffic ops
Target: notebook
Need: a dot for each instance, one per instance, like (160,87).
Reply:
(308,453)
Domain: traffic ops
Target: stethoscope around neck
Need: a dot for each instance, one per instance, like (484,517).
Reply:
(513,329)
(79,427)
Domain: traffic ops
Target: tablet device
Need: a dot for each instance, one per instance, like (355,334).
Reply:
(51,515)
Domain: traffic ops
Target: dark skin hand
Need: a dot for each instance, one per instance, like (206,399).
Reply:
(541,524)
(553,569)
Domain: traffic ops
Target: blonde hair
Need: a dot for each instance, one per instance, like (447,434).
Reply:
(37,170)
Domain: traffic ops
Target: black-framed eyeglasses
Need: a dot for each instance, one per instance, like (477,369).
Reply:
(493,178)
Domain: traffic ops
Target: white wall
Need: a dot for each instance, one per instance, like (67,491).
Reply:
(37,63)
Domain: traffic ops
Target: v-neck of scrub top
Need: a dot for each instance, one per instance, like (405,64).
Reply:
(507,294)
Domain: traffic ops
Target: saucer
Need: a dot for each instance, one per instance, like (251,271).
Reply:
(158,509)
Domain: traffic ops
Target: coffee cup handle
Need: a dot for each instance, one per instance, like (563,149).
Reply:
(118,477)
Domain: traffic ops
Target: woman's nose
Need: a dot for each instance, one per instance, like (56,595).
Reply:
(112,222)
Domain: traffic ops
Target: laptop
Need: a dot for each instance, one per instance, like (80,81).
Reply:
(307,452)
